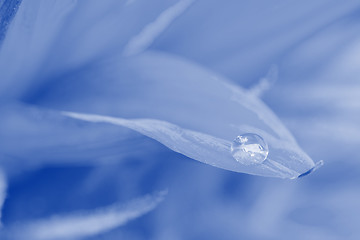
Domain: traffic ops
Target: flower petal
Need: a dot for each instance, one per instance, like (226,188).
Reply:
(179,98)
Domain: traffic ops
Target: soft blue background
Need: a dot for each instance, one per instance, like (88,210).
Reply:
(316,47)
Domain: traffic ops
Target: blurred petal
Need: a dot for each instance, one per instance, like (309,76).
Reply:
(86,224)
(31,137)
(241,39)
(48,36)
(28,42)
(145,38)
(8,9)
(3,187)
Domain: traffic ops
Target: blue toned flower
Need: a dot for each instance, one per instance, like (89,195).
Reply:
(90,88)
(104,70)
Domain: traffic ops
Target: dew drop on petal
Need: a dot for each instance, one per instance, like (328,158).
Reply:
(249,149)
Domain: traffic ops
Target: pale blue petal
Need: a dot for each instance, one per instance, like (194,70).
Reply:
(180,97)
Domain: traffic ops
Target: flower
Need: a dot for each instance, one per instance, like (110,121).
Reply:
(93,84)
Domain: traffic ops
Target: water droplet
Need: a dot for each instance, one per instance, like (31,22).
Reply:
(249,149)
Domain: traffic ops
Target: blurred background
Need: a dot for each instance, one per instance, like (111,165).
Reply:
(314,47)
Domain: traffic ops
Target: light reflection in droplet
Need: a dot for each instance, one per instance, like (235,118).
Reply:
(249,149)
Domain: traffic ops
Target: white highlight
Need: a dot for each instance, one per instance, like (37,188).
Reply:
(3,187)
(85,224)
(265,83)
(146,37)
